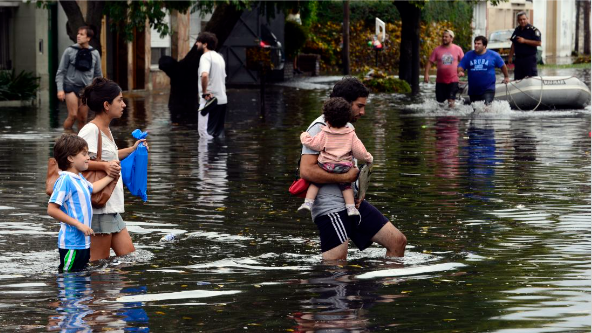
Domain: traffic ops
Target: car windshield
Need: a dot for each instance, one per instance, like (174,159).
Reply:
(500,36)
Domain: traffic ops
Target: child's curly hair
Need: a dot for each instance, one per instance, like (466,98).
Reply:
(337,112)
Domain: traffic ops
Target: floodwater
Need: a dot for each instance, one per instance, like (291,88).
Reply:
(495,205)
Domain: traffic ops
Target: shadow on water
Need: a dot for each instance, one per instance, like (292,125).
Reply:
(495,205)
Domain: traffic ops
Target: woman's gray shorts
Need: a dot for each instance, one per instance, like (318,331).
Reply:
(107,223)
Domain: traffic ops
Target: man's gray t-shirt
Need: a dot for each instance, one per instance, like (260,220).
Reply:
(329,199)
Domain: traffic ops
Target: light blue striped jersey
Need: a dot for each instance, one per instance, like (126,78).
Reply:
(72,192)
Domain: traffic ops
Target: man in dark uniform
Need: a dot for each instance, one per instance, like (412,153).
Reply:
(525,40)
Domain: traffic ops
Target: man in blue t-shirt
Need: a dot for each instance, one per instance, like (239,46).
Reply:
(481,64)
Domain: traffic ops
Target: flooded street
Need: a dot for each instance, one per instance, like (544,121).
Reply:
(495,205)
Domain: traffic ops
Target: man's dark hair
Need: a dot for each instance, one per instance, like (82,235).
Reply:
(89,31)
(337,112)
(483,40)
(101,90)
(68,145)
(350,89)
(208,38)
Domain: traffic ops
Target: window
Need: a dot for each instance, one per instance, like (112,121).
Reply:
(159,46)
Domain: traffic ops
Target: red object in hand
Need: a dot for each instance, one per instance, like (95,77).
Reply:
(299,188)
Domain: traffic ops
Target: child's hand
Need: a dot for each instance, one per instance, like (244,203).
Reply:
(113,169)
(85,230)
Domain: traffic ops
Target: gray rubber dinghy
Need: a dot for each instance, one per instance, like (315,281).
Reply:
(542,93)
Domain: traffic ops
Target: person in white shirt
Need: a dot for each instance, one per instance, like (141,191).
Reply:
(211,87)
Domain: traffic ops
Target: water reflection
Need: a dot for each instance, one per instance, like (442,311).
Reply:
(341,304)
(81,305)
(481,160)
(74,297)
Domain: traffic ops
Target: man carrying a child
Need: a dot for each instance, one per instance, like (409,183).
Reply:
(328,212)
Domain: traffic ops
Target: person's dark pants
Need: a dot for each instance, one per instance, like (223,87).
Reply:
(487,96)
(525,66)
(446,91)
(216,120)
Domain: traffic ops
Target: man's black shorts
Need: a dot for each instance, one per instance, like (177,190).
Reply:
(68,88)
(446,91)
(73,260)
(336,228)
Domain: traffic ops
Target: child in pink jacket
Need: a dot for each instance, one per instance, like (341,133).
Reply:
(338,145)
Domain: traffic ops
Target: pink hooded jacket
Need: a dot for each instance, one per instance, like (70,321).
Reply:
(336,145)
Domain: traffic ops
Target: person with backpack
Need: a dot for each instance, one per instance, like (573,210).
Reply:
(80,64)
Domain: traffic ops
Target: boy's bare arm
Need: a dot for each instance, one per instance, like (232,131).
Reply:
(100,184)
(310,171)
(54,211)
(112,168)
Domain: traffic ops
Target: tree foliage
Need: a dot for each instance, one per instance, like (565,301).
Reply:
(134,15)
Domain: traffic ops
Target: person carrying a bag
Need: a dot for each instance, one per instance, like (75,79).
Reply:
(104,97)
(79,65)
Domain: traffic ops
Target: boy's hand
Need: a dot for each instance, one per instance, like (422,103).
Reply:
(113,169)
(85,230)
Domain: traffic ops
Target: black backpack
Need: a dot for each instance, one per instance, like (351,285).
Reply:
(83,60)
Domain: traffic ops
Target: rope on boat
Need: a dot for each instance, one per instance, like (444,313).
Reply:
(540,97)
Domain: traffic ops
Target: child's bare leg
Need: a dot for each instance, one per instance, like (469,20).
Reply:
(348,196)
(311,194)
(313,190)
(350,203)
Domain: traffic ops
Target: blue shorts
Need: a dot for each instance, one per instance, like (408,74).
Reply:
(337,228)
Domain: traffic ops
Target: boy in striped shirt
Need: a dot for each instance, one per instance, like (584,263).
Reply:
(70,202)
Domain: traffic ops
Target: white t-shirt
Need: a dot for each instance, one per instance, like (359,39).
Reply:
(90,133)
(212,63)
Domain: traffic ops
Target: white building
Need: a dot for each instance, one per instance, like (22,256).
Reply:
(556,19)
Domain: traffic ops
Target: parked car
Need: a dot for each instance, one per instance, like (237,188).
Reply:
(499,41)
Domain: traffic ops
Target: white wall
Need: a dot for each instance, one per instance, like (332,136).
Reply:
(539,8)
(479,19)
(63,40)
(196,22)
(566,28)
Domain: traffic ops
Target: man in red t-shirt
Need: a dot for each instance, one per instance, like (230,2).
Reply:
(446,57)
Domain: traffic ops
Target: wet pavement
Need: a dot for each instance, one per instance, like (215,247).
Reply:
(495,205)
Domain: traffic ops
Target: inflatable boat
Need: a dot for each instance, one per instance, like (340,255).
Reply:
(542,93)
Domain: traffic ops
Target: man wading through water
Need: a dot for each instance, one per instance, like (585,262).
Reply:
(328,212)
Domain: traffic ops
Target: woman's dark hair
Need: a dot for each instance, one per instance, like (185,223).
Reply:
(68,145)
(483,40)
(350,88)
(208,38)
(101,90)
(337,112)
(89,31)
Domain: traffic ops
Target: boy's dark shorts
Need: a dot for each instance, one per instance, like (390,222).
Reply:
(68,88)
(336,228)
(446,91)
(73,260)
